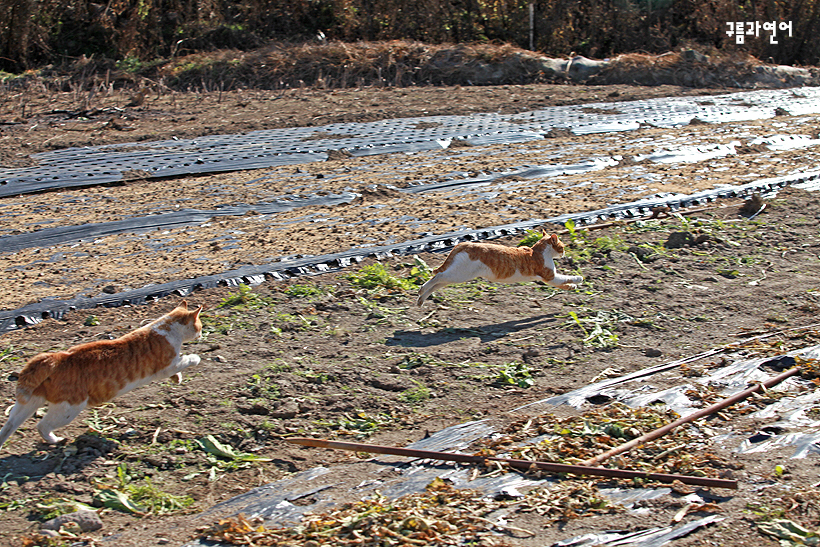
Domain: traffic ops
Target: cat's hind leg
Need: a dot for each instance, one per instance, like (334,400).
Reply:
(19,413)
(58,415)
(429,287)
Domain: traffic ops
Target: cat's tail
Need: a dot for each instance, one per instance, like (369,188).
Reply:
(34,373)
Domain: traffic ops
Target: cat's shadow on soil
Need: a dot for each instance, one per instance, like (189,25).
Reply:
(486,333)
(70,455)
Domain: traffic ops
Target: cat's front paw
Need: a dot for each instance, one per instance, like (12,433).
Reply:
(572,283)
(190,360)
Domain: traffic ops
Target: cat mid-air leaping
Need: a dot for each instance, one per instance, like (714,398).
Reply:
(495,262)
(90,374)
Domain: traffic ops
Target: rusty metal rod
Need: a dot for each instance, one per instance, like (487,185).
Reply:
(521,464)
(691,417)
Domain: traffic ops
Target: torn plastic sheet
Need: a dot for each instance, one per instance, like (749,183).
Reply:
(786,142)
(540,171)
(320,489)
(175,219)
(691,154)
(653,537)
(285,269)
(733,378)
(323,488)
(269,148)
(70,234)
(275,501)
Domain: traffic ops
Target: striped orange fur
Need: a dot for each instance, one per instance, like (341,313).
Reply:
(90,374)
(500,263)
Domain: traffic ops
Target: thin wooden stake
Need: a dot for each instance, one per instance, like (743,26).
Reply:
(520,464)
(668,428)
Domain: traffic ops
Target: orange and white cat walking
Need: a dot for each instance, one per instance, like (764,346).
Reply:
(496,262)
(96,372)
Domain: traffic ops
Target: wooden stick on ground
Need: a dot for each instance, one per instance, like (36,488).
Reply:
(520,464)
(691,418)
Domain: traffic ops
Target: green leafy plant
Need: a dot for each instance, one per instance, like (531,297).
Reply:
(530,239)
(244,297)
(303,290)
(140,499)
(376,276)
(316,377)
(50,508)
(414,360)
(598,327)
(416,394)
(261,387)
(420,272)
(360,425)
(223,457)
(515,374)
(7,353)
(221,324)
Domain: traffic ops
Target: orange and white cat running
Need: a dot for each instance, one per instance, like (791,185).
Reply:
(90,374)
(496,262)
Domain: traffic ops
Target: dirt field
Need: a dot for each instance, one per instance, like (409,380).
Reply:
(325,356)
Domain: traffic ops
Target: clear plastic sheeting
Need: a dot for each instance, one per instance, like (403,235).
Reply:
(275,502)
(792,426)
(268,148)
(391,477)
(786,142)
(691,154)
(394,477)
(539,171)
(652,537)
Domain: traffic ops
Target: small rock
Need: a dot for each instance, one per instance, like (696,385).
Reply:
(163,541)
(255,409)
(88,521)
(653,352)
(678,240)
(752,206)
(220,359)
(288,409)
(643,254)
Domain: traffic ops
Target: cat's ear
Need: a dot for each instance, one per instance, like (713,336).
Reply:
(199,310)
(183,305)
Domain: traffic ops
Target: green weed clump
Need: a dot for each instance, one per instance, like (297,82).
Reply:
(140,499)
(244,298)
(530,239)
(377,277)
(515,374)
(417,394)
(303,291)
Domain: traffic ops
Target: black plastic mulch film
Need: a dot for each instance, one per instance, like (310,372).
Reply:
(261,149)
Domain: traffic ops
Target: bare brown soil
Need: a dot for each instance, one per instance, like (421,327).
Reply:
(311,356)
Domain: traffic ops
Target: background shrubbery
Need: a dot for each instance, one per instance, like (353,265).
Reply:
(38,32)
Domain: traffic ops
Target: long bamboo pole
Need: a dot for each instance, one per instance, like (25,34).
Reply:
(691,417)
(520,464)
